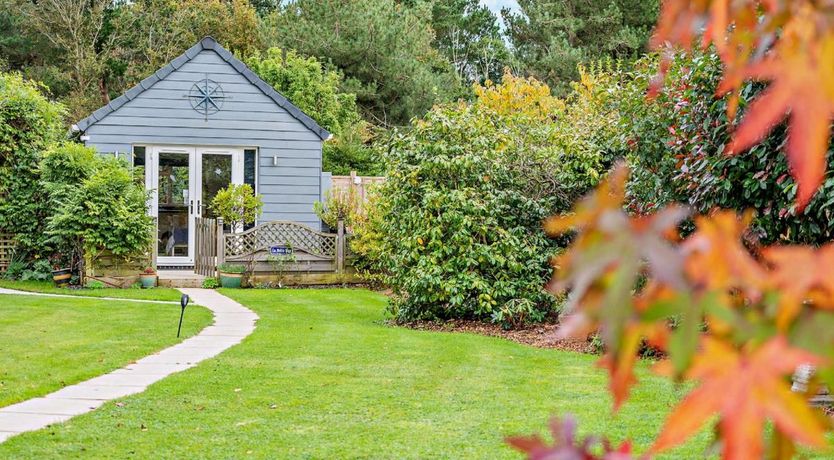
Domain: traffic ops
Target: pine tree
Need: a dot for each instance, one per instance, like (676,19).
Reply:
(383,48)
(550,39)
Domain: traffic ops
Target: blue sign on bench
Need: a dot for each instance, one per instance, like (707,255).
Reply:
(280,251)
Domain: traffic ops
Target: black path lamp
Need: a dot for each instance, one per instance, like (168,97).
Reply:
(183,303)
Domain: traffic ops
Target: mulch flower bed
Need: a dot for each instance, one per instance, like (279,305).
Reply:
(539,336)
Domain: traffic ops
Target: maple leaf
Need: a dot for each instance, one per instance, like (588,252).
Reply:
(802,85)
(601,269)
(790,44)
(716,258)
(609,196)
(745,389)
(801,273)
(566,446)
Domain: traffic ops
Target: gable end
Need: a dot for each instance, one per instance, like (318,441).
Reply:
(207,43)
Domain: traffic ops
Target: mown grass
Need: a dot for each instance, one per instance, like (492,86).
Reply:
(323,377)
(47,343)
(47,287)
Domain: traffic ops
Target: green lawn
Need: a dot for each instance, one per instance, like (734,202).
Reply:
(138,294)
(48,343)
(322,377)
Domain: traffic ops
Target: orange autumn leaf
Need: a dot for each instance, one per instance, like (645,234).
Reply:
(716,259)
(745,389)
(802,85)
(602,267)
(620,363)
(609,196)
(801,273)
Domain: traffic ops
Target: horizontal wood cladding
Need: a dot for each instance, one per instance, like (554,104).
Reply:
(137,111)
(288,148)
(250,133)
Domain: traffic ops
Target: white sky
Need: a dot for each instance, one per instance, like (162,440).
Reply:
(496,5)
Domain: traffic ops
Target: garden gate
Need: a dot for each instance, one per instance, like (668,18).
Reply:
(206,244)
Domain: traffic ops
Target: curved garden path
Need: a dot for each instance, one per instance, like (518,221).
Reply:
(232,323)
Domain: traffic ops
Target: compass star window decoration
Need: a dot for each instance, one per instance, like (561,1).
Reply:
(207,97)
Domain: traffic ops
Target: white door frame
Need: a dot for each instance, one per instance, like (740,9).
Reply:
(195,183)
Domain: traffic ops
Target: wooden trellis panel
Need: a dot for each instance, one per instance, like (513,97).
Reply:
(6,248)
(292,234)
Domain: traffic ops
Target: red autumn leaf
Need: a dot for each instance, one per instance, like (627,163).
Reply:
(745,389)
(566,446)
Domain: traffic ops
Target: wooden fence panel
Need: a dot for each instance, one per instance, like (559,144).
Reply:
(361,184)
(6,249)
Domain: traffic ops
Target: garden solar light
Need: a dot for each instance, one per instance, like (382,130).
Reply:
(183,303)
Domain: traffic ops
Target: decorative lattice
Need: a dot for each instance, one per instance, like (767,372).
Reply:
(292,234)
(6,248)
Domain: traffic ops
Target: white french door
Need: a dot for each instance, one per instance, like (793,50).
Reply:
(183,181)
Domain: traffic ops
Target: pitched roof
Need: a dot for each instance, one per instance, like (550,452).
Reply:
(207,43)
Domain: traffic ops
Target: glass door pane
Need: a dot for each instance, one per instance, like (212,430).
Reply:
(217,175)
(173,200)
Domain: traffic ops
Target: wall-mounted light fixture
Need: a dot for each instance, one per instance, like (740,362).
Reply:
(274,160)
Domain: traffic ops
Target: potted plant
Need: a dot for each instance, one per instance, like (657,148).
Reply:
(237,205)
(61,276)
(231,275)
(148,278)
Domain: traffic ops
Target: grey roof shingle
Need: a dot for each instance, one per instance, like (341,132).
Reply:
(207,43)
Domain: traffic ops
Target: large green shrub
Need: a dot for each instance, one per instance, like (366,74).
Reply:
(105,213)
(467,189)
(63,168)
(29,123)
(678,143)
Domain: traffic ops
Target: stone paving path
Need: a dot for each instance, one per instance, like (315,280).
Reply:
(232,323)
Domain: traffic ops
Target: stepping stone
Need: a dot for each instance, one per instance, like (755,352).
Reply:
(17,423)
(54,406)
(124,379)
(94,392)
